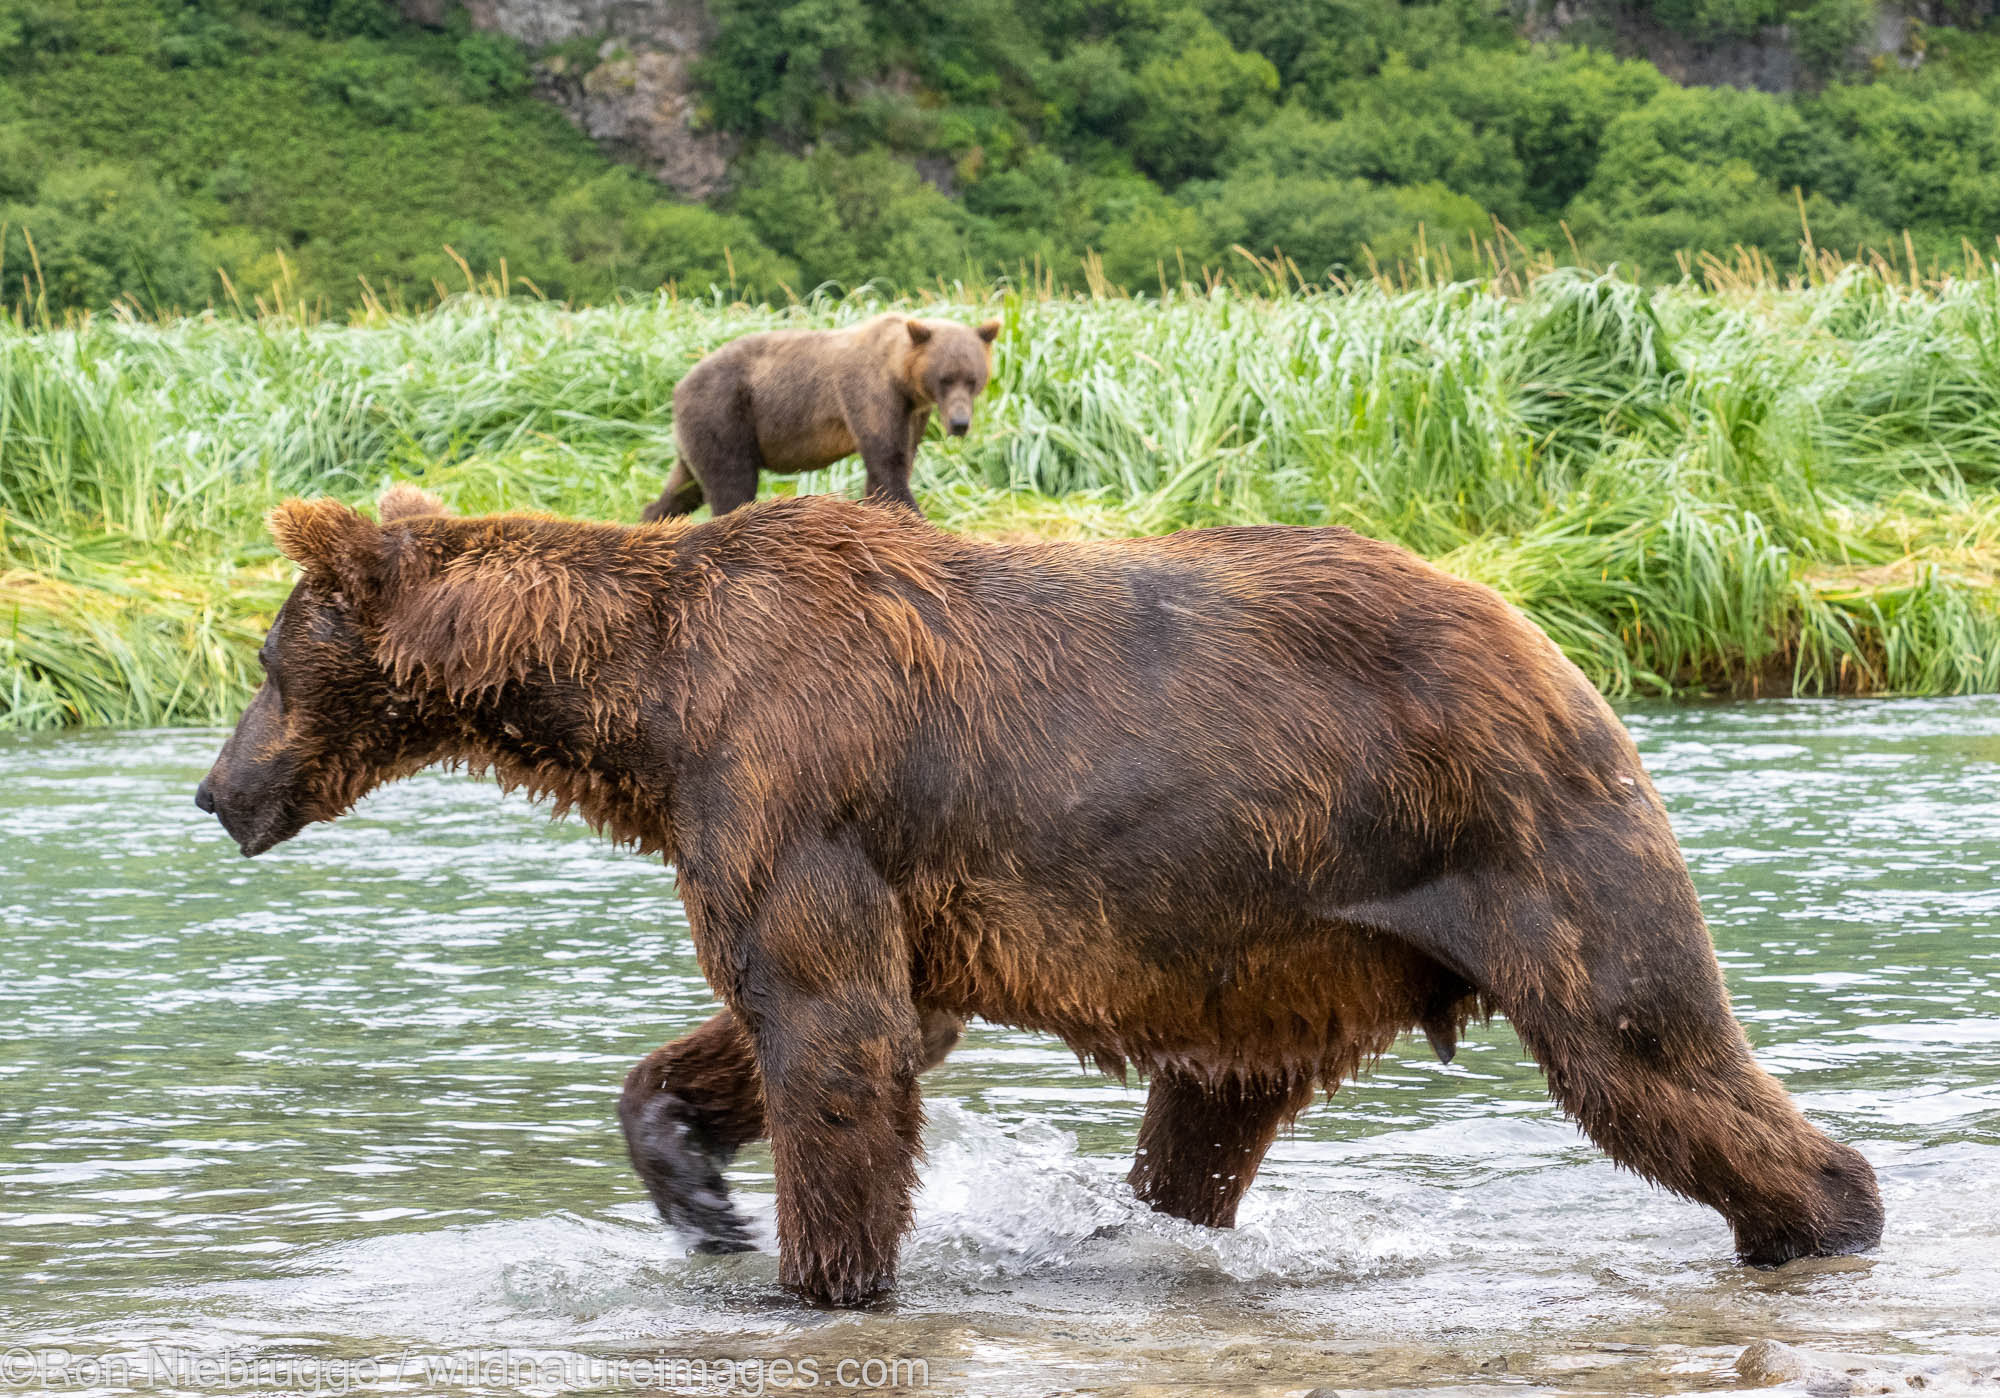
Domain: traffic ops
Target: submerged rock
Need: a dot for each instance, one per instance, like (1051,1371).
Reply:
(1770,1364)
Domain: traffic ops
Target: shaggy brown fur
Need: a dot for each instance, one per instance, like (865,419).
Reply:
(797,400)
(1234,807)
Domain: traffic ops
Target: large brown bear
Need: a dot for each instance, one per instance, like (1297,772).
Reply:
(1233,808)
(797,400)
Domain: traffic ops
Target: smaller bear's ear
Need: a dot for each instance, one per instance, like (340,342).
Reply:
(990,331)
(920,334)
(405,502)
(327,538)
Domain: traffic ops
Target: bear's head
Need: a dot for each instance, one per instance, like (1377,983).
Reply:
(328,723)
(948,366)
(400,634)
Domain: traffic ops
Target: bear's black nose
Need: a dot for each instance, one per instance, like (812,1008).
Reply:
(203,799)
(957,428)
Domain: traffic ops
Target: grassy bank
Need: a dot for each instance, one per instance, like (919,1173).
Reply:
(1738,490)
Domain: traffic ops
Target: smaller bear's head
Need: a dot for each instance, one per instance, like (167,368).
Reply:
(948,366)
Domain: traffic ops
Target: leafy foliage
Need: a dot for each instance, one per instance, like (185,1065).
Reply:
(329,151)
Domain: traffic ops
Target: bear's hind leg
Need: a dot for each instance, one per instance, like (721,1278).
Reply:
(1644,1052)
(1671,1093)
(719,450)
(682,496)
(1201,1142)
(1607,972)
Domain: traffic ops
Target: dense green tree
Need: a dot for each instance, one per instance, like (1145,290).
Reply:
(1317,45)
(1921,155)
(784,63)
(1192,97)
(1393,133)
(1826,33)
(613,236)
(302,146)
(23,162)
(846,218)
(1332,227)
(102,234)
(1715,206)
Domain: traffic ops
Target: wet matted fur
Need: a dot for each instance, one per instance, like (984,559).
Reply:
(1231,808)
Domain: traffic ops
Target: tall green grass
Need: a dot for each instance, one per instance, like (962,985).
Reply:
(1740,489)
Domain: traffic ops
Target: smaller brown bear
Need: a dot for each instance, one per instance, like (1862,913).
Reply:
(797,400)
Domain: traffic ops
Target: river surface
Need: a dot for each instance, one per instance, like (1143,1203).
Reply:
(350,1107)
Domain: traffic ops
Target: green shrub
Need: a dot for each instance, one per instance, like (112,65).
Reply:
(23,161)
(1827,32)
(614,237)
(103,234)
(845,218)
(199,38)
(1191,99)
(1332,227)
(780,62)
(491,65)
(378,88)
(32,33)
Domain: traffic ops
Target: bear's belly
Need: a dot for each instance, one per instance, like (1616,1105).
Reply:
(1282,994)
(810,447)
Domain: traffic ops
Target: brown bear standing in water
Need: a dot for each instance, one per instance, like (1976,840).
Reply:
(797,400)
(1234,808)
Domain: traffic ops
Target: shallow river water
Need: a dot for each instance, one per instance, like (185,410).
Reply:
(346,1113)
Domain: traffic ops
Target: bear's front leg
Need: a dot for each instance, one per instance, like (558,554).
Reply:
(689,1107)
(686,1110)
(821,979)
(888,440)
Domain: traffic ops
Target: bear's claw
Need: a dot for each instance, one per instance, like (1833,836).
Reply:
(683,1173)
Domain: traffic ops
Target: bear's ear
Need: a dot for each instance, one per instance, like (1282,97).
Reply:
(326,538)
(405,502)
(990,331)
(920,334)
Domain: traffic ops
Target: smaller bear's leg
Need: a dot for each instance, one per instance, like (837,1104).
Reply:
(681,497)
(896,487)
(718,448)
(888,451)
(686,1110)
(1201,1143)
(891,487)
(732,492)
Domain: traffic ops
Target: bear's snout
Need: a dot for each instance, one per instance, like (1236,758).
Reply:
(249,817)
(957,426)
(224,807)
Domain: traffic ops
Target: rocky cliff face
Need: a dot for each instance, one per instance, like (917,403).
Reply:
(1768,60)
(1765,61)
(636,93)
